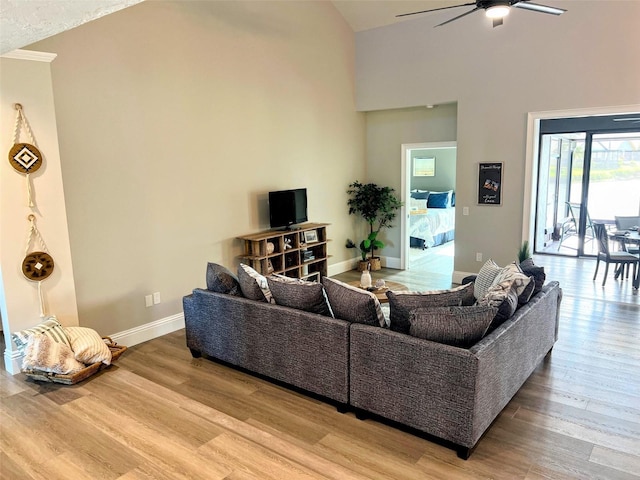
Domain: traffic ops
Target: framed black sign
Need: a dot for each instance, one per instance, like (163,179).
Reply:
(490,183)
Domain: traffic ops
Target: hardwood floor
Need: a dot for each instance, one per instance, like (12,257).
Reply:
(160,414)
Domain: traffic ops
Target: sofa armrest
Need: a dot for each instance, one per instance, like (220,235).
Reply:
(510,354)
(419,383)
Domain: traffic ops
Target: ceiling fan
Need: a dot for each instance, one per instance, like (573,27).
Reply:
(494,9)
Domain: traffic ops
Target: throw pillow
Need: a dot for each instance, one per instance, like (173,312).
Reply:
(49,328)
(353,304)
(539,277)
(503,297)
(298,294)
(221,280)
(523,284)
(418,205)
(87,345)
(485,278)
(401,304)
(44,353)
(253,284)
(457,326)
(439,199)
(420,194)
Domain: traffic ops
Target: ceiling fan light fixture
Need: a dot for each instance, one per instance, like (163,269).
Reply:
(497,11)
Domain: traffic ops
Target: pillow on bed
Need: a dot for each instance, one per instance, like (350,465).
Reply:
(420,194)
(418,204)
(439,199)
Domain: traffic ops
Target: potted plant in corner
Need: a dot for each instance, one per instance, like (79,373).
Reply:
(378,206)
(524,252)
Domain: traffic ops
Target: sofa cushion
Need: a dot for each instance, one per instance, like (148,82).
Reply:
(502,296)
(532,270)
(402,303)
(49,328)
(299,294)
(253,285)
(221,280)
(485,278)
(523,284)
(457,326)
(353,304)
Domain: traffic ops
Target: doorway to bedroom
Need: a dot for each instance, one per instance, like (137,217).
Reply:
(429,198)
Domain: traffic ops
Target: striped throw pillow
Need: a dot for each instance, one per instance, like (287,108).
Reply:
(87,345)
(49,328)
(485,278)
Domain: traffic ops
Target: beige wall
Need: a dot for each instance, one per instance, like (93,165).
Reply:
(585,58)
(28,82)
(175,119)
(387,130)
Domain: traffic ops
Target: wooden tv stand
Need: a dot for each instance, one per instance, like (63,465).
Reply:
(292,253)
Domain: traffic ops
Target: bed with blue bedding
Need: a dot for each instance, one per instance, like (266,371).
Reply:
(431,218)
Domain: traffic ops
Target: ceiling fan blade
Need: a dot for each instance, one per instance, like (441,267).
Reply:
(436,9)
(459,16)
(497,22)
(526,5)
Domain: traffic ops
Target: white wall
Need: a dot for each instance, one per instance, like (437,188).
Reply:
(585,58)
(175,119)
(26,79)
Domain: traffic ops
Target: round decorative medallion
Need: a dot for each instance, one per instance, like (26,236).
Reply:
(37,266)
(25,158)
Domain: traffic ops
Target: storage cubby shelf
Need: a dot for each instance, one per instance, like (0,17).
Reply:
(299,253)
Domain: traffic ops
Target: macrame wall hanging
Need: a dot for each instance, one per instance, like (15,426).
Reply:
(37,265)
(25,158)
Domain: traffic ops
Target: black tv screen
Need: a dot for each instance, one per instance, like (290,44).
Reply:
(287,207)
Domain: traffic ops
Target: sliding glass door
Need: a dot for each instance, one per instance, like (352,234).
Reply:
(585,176)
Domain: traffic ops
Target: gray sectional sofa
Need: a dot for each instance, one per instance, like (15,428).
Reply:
(444,391)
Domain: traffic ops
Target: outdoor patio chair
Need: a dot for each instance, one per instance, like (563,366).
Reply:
(570,224)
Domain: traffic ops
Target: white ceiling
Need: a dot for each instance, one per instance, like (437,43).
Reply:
(24,22)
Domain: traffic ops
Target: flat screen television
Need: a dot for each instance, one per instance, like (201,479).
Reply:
(287,207)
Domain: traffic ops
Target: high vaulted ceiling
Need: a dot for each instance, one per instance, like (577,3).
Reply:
(23,22)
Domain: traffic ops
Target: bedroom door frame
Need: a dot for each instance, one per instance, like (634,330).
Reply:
(405,191)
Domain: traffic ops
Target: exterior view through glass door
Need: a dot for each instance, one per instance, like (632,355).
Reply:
(588,171)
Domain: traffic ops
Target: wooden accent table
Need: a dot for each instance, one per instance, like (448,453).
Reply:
(381,294)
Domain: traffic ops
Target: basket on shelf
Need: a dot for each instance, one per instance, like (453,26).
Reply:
(73,378)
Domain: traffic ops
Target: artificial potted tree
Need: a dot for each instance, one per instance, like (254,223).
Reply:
(378,206)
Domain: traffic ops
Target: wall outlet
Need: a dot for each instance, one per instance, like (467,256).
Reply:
(156,298)
(478,257)
(148,300)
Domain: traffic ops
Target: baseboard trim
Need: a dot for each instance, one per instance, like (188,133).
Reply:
(149,331)
(12,361)
(341,267)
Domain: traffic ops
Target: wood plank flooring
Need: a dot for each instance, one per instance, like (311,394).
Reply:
(160,414)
